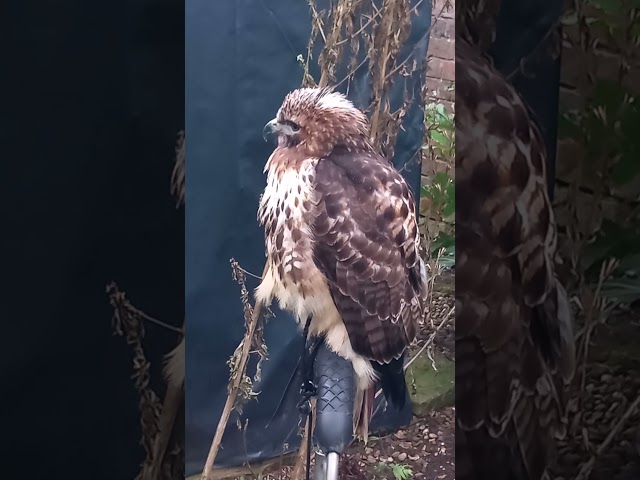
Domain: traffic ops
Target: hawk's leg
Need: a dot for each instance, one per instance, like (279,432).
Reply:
(308,388)
(303,371)
(309,352)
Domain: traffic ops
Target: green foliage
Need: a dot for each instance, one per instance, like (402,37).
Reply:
(440,126)
(613,241)
(607,6)
(610,121)
(620,243)
(401,472)
(608,127)
(442,195)
(613,18)
(440,192)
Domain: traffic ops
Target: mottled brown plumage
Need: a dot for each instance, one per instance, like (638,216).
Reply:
(341,239)
(514,339)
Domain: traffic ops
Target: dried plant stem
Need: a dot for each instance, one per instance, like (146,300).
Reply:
(156,420)
(382,29)
(300,467)
(178,174)
(170,406)
(590,324)
(585,471)
(160,323)
(375,117)
(128,322)
(436,271)
(432,337)
(233,389)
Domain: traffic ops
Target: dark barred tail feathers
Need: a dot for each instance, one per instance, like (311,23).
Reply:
(392,381)
(363,411)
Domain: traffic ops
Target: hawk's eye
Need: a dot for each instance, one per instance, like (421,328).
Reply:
(294,126)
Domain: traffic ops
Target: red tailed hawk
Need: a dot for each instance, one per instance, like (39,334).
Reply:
(342,241)
(514,339)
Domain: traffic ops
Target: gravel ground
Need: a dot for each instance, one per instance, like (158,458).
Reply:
(612,386)
(426,447)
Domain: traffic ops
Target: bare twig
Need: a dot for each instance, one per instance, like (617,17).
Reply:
(156,429)
(160,323)
(432,337)
(435,19)
(233,473)
(590,324)
(170,405)
(247,272)
(383,32)
(429,341)
(178,174)
(234,386)
(301,461)
(375,117)
(585,471)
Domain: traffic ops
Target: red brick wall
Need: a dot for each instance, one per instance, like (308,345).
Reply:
(441,67)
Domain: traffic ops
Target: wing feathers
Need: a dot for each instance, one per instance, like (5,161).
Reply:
(513,328)
(366,245)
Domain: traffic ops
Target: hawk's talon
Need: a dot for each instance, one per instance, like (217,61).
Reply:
(308,389)
(304,407)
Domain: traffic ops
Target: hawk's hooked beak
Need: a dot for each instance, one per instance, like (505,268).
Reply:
(270,129)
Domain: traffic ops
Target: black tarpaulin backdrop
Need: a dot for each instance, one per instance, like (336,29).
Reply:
(524,28)
(92,100)
(240,63)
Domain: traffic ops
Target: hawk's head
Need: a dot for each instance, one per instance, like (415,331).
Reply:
(315,120)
